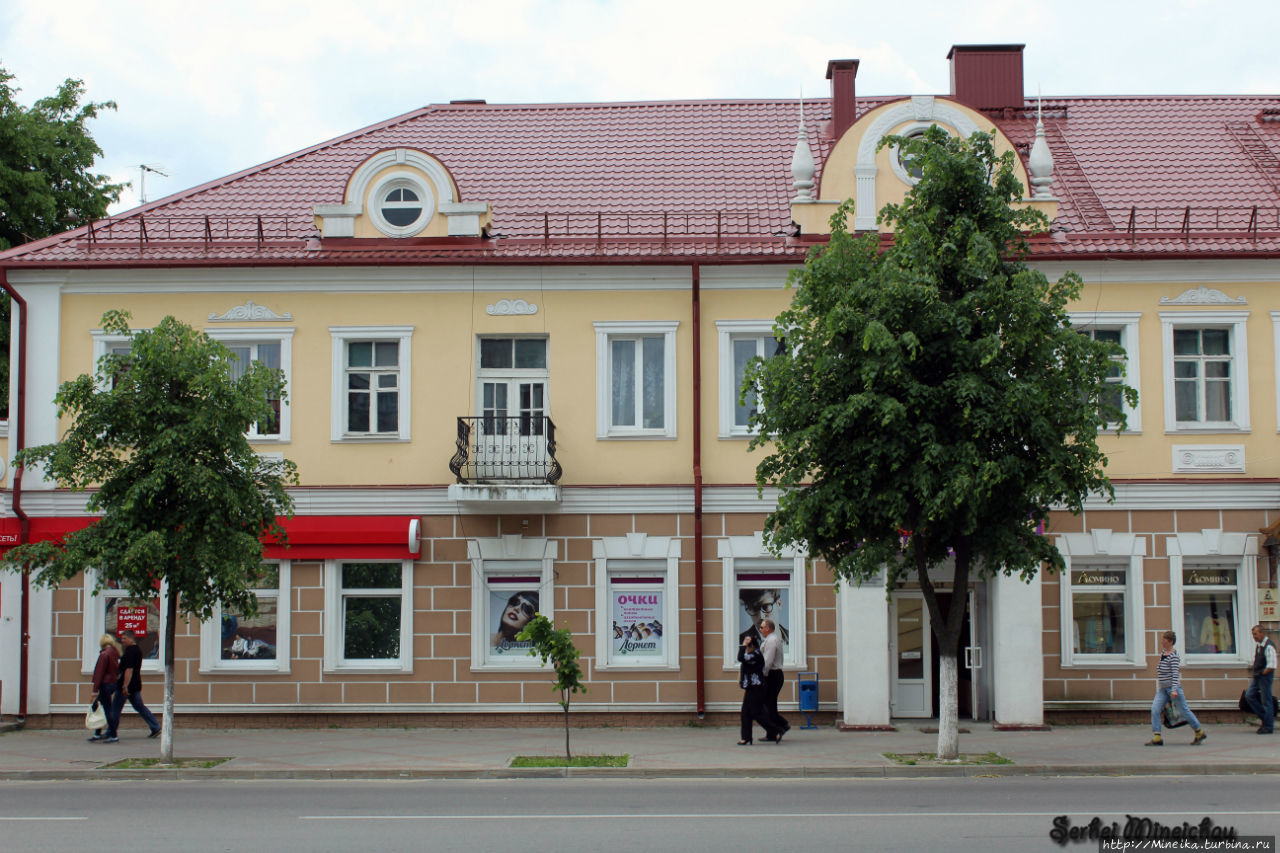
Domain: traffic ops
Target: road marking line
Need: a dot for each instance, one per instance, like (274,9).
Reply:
(2,817)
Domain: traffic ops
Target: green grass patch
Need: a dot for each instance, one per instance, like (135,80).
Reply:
(931,758)
(156,764)
(576,761)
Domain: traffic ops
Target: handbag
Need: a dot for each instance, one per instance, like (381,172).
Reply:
(1172,717)
(97,716)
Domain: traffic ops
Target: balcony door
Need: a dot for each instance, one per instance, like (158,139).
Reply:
(511,440)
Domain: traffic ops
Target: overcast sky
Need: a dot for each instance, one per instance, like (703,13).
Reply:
(204,90)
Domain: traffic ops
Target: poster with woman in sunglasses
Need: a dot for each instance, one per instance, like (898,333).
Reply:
(510,618)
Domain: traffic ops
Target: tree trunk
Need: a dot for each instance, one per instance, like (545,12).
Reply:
(946,629)
(170,631)
(948,715)
(567,757)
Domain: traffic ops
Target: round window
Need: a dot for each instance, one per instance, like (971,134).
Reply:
(401,207)
(401,204)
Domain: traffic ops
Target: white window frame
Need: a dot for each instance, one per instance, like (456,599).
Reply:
(1275,337)
(334,625)
(511,556)
(1102,549)
(1126,322)
(94,625)
(211,632)
(401,179)
(1234,322)
(610,331)
(283,337)
(728,331)
(342,335)
(746,553)
(637,554)
(1238,551)
(103,343)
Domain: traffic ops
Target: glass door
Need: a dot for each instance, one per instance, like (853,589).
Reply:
(911,650)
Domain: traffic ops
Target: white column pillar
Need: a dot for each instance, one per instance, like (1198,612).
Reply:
(1017,662)
(862,654)
(44,319)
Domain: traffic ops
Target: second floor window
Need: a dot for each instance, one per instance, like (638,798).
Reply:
(266,353)
(373,386)
(1202,375)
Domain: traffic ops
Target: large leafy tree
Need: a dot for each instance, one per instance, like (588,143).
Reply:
(933,402)
(46,152)
(160,431)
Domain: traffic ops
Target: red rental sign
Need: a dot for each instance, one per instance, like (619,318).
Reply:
(131,619)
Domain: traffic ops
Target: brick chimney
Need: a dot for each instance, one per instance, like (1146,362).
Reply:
(844,109)
(987,76)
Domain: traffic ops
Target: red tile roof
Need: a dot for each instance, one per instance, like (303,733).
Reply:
(605,182)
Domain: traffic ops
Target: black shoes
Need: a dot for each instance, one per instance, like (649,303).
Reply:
(154,733)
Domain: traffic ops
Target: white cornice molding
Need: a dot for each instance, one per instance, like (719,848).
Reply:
(1173,272)
(586,500)
(249,312)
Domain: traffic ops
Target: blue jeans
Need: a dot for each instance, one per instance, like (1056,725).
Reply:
(107,701)
(1180,702)
(135,699)
(1259,698)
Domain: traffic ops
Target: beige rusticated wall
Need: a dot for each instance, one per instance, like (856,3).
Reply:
(442,629)
(1138,684)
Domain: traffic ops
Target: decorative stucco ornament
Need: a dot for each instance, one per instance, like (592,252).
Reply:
(1203,296)
(250,312)
(510,307)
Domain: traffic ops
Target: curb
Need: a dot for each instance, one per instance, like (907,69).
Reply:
(852,772)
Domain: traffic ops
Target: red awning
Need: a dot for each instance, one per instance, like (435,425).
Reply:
(311,537)
(347,537)
(42,529)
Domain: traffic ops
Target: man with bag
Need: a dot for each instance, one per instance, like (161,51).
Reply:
(1169,688)
(131,683)
(1263,672)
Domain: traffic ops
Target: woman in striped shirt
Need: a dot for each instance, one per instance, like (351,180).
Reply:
(1169,689)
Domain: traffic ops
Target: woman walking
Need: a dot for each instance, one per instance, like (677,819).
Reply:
(1169,688)
(105,675)
(751,680)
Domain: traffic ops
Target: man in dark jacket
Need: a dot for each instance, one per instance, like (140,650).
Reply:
(131,682)
(1263,673)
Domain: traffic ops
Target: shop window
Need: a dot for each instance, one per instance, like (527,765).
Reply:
(758,585)
(369,616)
(1213,591)
(1101,600)
(232,641)
(637,602)
(110,610)
(512,581)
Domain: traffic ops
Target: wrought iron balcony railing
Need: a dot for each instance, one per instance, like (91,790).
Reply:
(506,449)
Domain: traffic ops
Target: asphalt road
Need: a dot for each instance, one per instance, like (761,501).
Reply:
(979,814)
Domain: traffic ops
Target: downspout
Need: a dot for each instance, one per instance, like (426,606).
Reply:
(697,490)
(24,524)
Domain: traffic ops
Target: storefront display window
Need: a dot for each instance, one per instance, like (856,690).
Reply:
(235,642)
(758,586)
(512,581)
(637,602)
(1102,615)
(1213,591)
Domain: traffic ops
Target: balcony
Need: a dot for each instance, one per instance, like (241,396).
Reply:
(506,462)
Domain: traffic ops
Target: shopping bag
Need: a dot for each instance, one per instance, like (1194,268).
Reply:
(1172,717)
(97,716)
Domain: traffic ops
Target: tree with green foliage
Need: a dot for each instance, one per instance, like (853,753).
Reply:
(556,646)
(933,402)
(160,430)
(46,152)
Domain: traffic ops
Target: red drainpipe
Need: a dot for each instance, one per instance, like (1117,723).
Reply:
(697,490)
(24,524)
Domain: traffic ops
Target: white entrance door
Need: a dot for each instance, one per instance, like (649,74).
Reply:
(911,655)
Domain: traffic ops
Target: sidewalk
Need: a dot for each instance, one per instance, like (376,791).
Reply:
(709,751)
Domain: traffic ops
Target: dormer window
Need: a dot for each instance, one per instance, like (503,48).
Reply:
(905,165)
(401,204)
(402,207)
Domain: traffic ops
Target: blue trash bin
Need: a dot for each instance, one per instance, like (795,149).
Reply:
(808,686)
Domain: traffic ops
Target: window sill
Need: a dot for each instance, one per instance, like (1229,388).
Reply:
(640,667)
(240,670)
(1225,661)
(637,436)
(387,438)
(1127,663)
(532,666)
(370,667)
(1208,429)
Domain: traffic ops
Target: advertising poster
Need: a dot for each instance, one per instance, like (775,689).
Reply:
(764,603)
(637,620)
(510,612)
